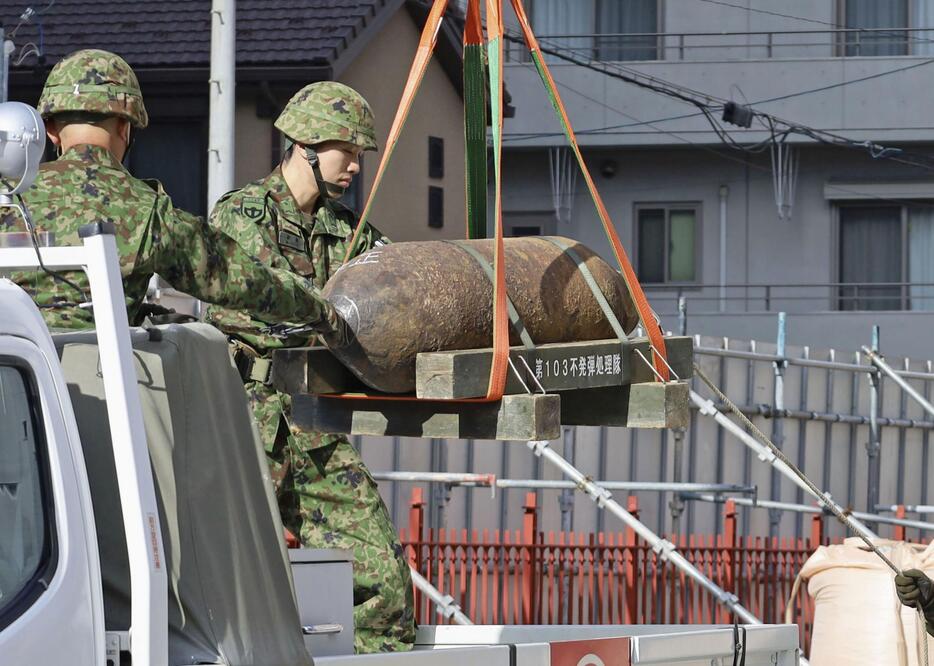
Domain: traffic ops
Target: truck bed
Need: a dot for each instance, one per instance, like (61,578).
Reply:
(589,645)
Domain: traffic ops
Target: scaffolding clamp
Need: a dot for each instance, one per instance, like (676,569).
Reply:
(707,408)
(601,496)
(663,548)
(446,607)
(538,446)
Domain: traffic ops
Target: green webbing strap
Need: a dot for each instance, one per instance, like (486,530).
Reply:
(592,283)
(475,107)
(514,318)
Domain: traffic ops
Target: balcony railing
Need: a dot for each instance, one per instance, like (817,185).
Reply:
(793,298)
(762,44)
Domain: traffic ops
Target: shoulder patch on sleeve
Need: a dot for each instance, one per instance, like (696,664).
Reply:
(252,208)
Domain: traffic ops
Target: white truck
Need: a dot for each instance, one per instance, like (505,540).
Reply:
(137,524)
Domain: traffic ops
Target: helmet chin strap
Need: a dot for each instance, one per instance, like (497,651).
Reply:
(131,136)
(326,190)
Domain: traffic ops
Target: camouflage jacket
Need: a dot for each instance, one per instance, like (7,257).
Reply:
(264,218)
(87,184)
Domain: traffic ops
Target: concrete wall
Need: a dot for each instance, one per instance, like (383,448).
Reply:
(379,73)
(254,143)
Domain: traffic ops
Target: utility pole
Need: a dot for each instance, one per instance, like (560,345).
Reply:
(8,48)
(222,85)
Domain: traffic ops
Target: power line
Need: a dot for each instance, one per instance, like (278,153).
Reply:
(910,203)
(707,103)
(800,93)
(838,26)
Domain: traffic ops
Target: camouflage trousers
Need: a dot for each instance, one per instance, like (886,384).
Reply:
(328,499)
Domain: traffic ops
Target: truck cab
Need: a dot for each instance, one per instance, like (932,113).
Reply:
(50,581)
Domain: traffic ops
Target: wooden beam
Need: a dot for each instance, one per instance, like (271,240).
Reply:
(311,370)
(515,417)
(565,366)
(645,405)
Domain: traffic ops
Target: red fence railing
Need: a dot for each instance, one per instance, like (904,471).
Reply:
(529,577)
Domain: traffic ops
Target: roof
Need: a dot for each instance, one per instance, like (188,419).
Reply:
(177,33)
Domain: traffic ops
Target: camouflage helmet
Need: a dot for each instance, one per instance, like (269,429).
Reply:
(95,81)
(328,111)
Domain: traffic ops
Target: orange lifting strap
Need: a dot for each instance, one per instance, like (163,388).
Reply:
(494,42)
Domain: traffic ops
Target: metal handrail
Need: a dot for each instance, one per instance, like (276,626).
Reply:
(781,285)
(841,42)
(838,296)
(739,33)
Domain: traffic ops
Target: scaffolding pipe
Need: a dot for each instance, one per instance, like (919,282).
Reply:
(444,603)
(634,486)
(807,508)
(769,412)
(909,508)
(898,378)
(451,478)
(708,408)
(488,480)
(662,547)
(810,363)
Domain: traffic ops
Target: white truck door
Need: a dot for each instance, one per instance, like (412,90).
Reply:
(51,610)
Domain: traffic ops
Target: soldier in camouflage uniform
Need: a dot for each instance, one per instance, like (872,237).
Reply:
(91,102)
(293,220)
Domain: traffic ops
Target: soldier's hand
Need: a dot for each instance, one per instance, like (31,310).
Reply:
(915,589)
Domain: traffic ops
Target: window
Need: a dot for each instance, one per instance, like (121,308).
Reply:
(634,18)
(666,242)
(885,257)
(435,207)
(874,17)
(25,525)
(602,29)
(435,157)
(529,223)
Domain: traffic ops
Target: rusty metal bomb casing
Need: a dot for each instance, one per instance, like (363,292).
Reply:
(406,298)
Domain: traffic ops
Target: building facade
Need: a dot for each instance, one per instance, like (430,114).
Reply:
(699,215)
(281,47)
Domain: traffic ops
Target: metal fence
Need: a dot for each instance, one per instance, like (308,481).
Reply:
(848,426)
(528,576)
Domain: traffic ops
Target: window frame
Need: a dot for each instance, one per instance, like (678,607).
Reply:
(41,578)
(660,51)
(530,218)
(841,44)
(837,260)
(435,207)
(698,208)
